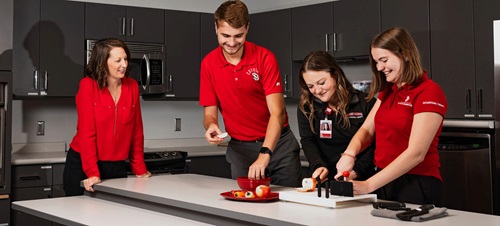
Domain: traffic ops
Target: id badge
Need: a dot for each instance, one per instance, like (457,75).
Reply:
(325,129)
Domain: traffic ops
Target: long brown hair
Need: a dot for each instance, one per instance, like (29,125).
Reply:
(398,41)
(234,12)
(322,61)
(97,68)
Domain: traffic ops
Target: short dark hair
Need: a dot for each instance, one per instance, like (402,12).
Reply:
(234,12)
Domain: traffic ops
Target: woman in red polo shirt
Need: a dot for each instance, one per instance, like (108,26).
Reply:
(405,123)
(109,128)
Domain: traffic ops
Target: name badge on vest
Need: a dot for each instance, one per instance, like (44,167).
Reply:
(325,129)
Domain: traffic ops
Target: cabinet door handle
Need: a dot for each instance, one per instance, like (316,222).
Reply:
(468,100)
(45,82)
(29,178)
(480,100)
(35,80)
(170,83)
(132,26)
(123,27)
(285,83)
(334,42)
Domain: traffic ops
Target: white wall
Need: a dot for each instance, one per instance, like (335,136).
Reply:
(158,119)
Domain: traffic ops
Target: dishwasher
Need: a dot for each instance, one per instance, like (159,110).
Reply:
(466,169)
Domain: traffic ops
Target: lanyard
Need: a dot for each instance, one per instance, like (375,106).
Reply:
(328,112)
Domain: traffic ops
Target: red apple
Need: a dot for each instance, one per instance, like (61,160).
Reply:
(262,191)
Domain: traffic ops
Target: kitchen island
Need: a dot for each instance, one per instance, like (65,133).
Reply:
(197,198)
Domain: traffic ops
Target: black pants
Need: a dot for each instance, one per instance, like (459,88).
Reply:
(73,172)
(416,189)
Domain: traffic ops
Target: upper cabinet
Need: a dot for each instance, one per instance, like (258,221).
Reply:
(126,23)
(311,30)
(355,23)
(414,17)
(208,37)
(182,42)
(272,30)
(452,61)
(48,52)
(487,86)
(6,23)
(343,28)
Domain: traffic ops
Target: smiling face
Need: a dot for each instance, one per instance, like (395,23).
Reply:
(231,39)
(320,84)
(117,63)
(388,63)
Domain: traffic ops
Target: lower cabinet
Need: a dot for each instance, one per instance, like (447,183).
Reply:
(4,210)
(216,166)
(35,182)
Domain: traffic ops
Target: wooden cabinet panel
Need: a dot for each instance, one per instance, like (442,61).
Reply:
(311,27)
(452,55)
(127,23)
(414,17)
(272,30)
(183,49)
(48,53)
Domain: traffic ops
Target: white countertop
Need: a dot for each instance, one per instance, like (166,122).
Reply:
(202,193)
(84,210)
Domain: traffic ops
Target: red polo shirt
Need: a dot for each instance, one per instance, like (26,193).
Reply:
(240,90)
(394,118)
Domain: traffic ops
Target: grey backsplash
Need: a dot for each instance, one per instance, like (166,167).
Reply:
(158,118)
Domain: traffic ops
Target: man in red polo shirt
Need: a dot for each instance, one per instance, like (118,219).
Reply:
(243,81)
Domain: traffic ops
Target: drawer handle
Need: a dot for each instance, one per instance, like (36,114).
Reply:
(30,178)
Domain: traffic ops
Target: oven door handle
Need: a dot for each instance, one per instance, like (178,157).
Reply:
(145,85)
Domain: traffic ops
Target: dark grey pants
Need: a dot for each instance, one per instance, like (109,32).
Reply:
(284,167)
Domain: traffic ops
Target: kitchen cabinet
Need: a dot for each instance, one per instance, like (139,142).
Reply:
(127,23)
(272,30)
(35,182)
(355,23)
(6,23)
(485,12)
(311,27)
(342,28)
(208,37)
(452,59)
(48,52)
(183,47)
(4,210)
(216,166)
(414,17)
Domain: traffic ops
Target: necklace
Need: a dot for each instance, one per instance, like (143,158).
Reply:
(115,95)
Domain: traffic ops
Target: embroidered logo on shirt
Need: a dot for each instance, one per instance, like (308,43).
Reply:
(406,103)
(278,84)
(254,73)
(355,115)
(433,103)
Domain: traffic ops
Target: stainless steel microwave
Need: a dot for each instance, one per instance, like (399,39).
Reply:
(146,65)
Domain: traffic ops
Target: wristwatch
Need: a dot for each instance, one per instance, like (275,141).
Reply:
(266,150)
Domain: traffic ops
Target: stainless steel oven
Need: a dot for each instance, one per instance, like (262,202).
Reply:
(146,65)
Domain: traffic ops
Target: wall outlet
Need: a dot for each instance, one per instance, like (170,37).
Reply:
(177,124)
(40,128)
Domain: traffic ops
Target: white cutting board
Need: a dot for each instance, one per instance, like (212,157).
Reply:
(312,198)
